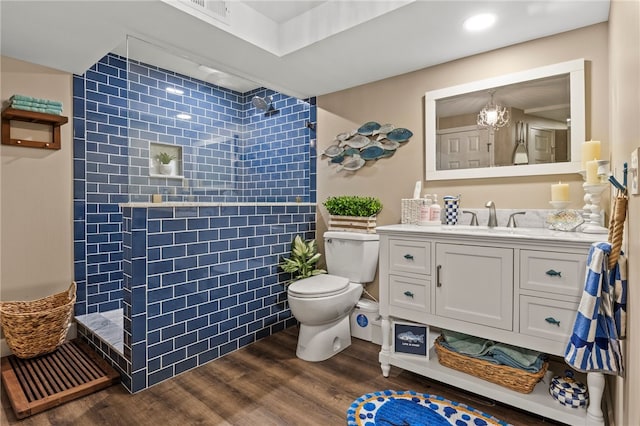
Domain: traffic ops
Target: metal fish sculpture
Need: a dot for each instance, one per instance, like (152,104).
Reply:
(343,136)
(554,273)
(372,143)
(368,128)
(337,159)
(383,130)
(333,151)
(357,141)
(399,135)
(372,152)
(354,163)
(389,145)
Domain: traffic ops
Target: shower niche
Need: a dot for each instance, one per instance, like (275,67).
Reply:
(165,161)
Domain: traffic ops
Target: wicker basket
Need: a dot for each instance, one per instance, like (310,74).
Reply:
(37,327)
(510,377)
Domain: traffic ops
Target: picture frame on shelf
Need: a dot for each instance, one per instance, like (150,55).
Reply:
(411,339)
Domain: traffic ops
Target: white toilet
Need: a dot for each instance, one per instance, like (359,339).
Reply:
(322,303)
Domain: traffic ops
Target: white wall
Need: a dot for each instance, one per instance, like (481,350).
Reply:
(624,116)
(36,197)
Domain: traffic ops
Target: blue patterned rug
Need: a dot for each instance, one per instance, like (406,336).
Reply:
(409,408)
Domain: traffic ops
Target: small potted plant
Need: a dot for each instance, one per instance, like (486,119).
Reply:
(353,213)
(302,263)
(166,163)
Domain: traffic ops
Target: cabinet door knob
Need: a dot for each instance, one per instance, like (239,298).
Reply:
(554,273)
(408,294)
(552,320)
(408,256)
(438,283)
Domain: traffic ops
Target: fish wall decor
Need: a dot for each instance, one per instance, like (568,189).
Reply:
(372,141)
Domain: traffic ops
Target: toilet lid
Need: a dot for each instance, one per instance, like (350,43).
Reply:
(318,286)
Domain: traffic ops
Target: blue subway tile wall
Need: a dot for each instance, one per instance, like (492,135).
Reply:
(210,303)
(229,153)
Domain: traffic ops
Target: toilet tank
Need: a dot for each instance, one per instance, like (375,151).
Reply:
(352,255)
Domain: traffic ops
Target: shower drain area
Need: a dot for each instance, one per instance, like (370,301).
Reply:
(70,372)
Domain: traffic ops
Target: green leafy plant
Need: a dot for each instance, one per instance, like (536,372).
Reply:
(165,157)
(353,205)
(304,256)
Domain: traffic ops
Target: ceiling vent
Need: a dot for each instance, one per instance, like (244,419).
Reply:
(216,9)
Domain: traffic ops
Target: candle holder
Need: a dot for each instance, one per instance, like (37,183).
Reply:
(559,205)
(592,212)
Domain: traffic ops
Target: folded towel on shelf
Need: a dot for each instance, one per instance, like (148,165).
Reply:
(514,356)
(495,353)
(594,343)
(34,109)
(465,344)
(35,104)
(38,100)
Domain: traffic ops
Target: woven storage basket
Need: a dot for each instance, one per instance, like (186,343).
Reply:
(37,327)
(510,377)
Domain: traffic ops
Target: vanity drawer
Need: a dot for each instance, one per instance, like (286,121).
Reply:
(410,293)
(410,256)
(560,273)
(547,318)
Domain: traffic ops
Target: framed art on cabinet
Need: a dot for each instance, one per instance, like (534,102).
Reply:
(411,338)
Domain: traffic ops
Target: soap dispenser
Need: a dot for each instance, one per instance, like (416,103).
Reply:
(425,211)
(434,210)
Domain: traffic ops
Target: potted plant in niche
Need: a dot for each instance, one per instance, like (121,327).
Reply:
(166,163)
(302,263)
(353,213)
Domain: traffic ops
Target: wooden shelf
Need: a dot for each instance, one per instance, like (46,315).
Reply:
(55,121)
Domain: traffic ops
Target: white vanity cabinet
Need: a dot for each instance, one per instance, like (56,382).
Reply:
(474,284)
(507,287)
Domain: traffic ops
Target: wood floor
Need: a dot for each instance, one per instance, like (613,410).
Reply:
(260,385)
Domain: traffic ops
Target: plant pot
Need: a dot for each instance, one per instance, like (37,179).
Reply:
(167,169)
(365,225)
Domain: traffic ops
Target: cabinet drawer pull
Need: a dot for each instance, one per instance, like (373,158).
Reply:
(554,273)
(408,256)
(552,320)
(438,283)
(408,294)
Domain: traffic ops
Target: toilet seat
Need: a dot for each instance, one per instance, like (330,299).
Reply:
(318,286)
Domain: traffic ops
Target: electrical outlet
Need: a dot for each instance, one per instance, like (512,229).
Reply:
(633,170)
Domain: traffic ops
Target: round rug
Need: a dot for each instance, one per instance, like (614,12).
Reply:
(387,408)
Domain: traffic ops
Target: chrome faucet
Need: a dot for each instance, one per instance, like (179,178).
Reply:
(474,217)
(493,222)
(512,220)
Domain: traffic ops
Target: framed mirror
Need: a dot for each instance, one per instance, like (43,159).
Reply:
(521,124)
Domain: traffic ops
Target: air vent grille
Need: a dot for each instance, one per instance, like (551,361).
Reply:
(217,9)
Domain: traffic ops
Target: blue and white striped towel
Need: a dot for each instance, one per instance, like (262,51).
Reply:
(594,344)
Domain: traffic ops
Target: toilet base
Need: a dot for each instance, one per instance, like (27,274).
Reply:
(321,342)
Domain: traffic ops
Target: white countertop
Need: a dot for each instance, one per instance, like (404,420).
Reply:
(497,232)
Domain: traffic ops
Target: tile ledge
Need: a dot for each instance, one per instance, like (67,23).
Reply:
(213,204)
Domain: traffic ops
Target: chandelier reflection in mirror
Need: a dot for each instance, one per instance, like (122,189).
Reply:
(493,116)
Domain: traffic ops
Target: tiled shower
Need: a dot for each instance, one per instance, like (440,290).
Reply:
(195,276)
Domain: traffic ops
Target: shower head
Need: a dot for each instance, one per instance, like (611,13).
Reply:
(262,104)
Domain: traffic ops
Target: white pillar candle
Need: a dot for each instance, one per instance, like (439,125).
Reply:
(592,172)
(560,192)
(590,150)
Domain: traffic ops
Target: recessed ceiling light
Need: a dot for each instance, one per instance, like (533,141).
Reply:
(174,90)
(183,116)
(479,22)
(208,70)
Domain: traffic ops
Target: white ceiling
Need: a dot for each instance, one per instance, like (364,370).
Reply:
(301,48)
